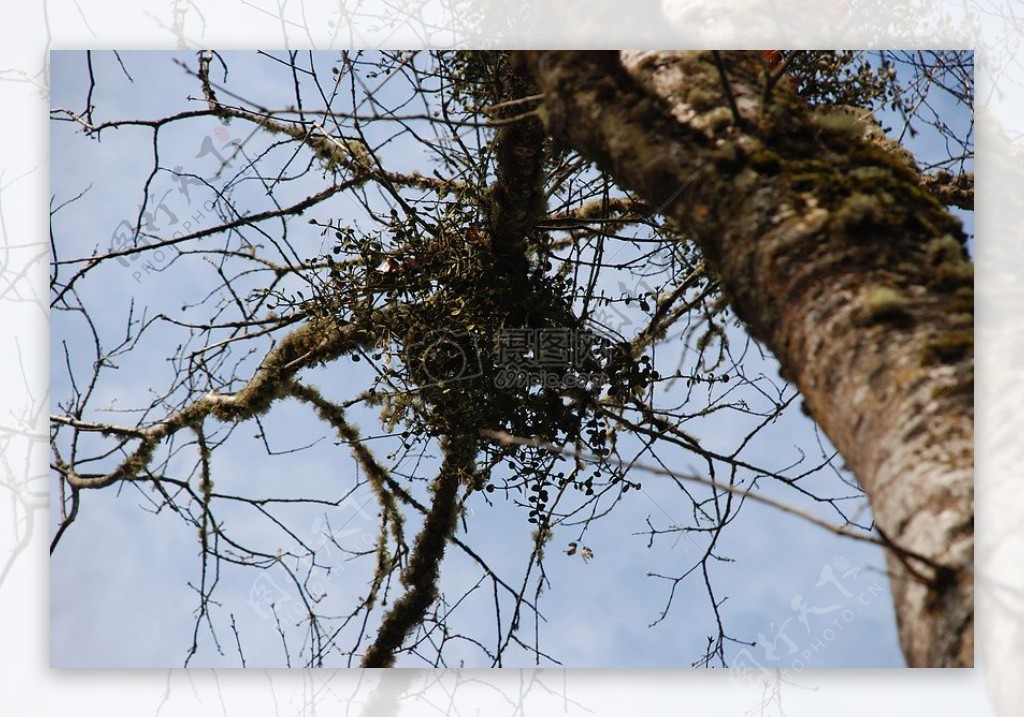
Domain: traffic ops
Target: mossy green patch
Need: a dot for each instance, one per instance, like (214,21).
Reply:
(948,348)
(884,304)
(766,162)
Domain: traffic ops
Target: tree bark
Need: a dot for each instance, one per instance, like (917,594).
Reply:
(420,577)
(839,261)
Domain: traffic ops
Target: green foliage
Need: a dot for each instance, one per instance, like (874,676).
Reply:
(826,77)
(500,233)
(438,349)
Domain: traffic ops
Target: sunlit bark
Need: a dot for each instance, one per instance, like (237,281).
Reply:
(839,261)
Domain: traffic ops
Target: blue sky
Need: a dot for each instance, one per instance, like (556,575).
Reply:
(123,571)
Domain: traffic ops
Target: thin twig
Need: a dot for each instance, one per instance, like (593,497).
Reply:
(727,86)
(505,438)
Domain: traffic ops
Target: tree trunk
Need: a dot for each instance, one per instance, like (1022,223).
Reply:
(839,261)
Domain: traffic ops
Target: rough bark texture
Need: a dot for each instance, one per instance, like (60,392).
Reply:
(420,576)
(837,260)
(517,195)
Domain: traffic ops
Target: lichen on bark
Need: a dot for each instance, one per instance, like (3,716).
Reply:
(839,259)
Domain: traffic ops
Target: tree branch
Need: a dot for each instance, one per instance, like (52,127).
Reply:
(835,259)
(421,576)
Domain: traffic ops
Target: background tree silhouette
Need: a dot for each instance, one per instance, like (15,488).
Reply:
(517,295)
